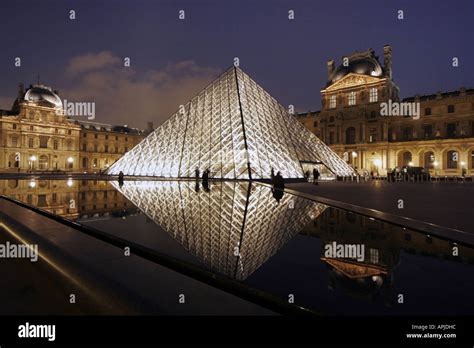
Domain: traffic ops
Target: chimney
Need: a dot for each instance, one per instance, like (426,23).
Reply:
(21,90)
(150,127)
(387,60)
(330,67)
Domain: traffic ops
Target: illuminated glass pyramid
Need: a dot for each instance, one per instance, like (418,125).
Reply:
(235,129)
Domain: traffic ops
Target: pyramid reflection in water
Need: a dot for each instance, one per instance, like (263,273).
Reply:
(233,229)
(235,129)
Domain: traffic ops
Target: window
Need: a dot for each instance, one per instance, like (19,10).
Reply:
(373,95)
(116,137)
(30,142)
(95,136)
(116,149)
(472,159)
(95,147)
(429,159)
(350,135)
(14,141)
(56,131)
(331,137)
(374,256)
(126,148)
(14,126)
(331,119)
(427,111)
(372,138)
(452,159)
(126,138)
(106,137)
(332,102)
(84,135)
(69,132)
(55,144)
(450,109)
(84,147)
(31,128)
(54,197)
(43,142)
(451,130)
(315,124)
(106,148)
(407,133)
(351,98)
(428,131)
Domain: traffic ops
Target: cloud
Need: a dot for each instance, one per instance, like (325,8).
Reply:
(91,61)
(6,102)
(123,95)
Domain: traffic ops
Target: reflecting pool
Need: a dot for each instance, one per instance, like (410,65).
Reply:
(327,259)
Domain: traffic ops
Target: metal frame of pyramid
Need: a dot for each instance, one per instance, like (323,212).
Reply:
(235,129)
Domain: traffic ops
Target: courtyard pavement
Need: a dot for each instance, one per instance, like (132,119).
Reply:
(448,204)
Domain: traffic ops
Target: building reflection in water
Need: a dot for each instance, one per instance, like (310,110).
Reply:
(232,227)
(72,199)
(383,244)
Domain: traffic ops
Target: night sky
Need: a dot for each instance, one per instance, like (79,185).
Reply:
(171,59)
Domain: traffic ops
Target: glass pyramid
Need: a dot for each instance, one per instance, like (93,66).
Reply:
(235,129)
(233,228)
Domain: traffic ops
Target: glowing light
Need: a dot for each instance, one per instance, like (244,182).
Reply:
(354,154)
(70,160)
(377,162)
(227,139)
(410,164)
(463,163)
(435,163)
(32,184)
(33,158)
(69,183)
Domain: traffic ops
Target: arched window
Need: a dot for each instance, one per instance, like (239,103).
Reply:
(85,162)
(429,160)
(350,135)
(452,158)
(404,159)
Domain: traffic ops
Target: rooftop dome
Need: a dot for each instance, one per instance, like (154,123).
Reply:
(40,93)
(358,65)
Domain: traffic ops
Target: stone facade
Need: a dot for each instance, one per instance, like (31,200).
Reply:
(352,121)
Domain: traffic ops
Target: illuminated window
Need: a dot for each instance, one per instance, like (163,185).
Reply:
(351,98)
(373,95)
(332,102)
(374,256)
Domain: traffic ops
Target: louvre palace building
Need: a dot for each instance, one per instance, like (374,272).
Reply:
(364,121)
(37,135)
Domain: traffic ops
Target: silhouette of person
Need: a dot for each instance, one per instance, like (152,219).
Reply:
(205,180)
(315,176)
(120,178)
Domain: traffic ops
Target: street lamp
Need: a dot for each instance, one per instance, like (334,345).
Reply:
(410,164)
